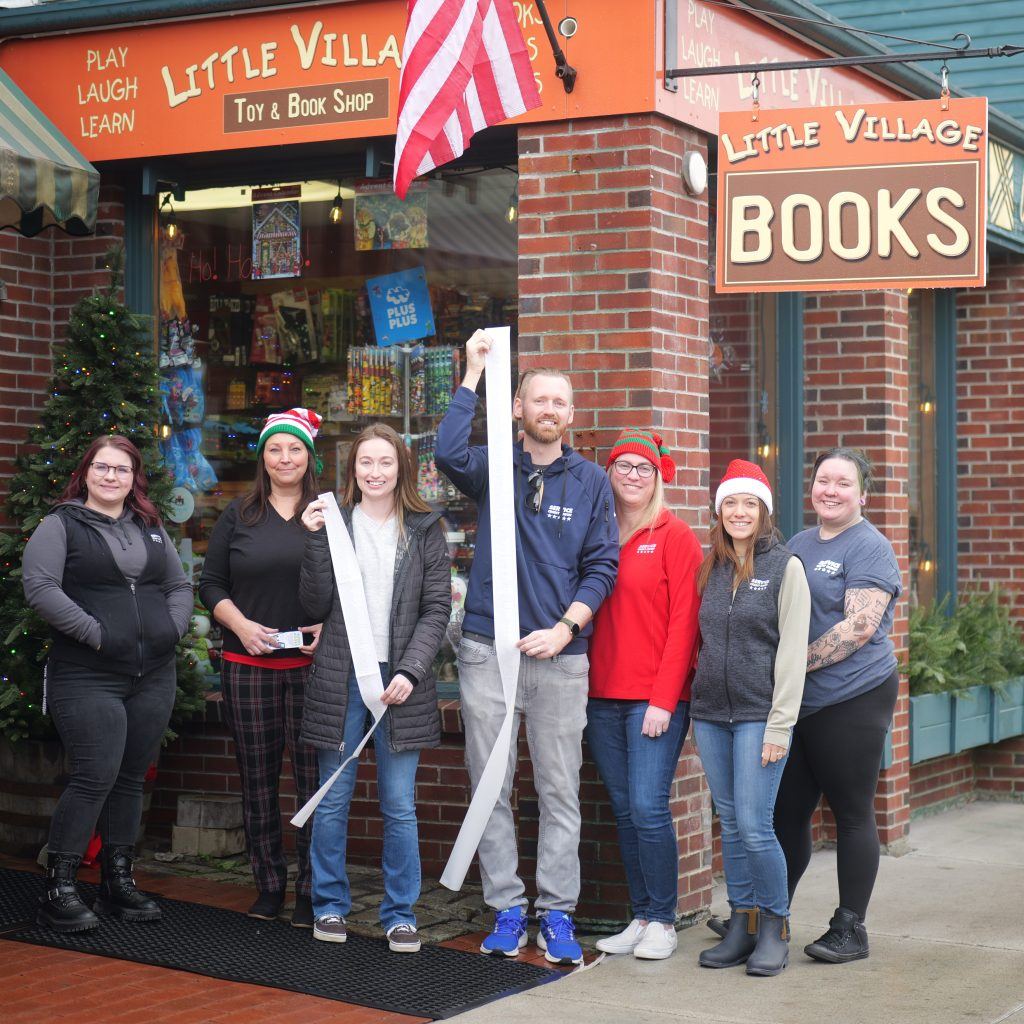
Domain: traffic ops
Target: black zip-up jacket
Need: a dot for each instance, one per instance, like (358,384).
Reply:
(735,678)
(137,633)
(420,609)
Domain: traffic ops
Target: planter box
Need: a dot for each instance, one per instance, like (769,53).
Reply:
(972,719)
(931,726)
(1008,711)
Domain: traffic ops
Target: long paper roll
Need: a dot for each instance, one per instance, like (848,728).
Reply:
(349,582)
(505,588)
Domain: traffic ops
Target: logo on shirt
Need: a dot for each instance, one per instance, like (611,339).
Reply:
(156,537)
(828,567)
(562,512)
(756,584)
(646,549)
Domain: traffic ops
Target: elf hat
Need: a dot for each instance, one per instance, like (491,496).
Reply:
(634,441)
(743,477)
(301,423)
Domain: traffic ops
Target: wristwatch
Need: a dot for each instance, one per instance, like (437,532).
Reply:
(574,627)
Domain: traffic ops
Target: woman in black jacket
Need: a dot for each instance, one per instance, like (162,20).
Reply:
(403,559)
(101,570)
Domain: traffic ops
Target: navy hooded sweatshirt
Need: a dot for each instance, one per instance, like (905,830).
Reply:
(568,551)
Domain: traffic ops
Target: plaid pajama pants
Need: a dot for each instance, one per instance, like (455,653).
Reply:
(263,709)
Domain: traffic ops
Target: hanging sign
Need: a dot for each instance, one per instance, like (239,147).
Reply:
(881,195)
(383,221)
(400,306)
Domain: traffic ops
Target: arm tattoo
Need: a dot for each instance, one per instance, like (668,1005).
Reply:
(864,610)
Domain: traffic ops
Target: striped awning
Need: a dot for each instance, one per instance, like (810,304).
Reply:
(44,180)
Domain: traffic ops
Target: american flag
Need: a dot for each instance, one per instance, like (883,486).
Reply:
(464,67)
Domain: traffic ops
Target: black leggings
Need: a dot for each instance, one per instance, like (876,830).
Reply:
(837,751)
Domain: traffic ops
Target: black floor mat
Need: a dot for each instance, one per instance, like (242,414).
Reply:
(434,983)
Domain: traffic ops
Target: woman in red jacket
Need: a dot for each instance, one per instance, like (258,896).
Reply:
(641,655)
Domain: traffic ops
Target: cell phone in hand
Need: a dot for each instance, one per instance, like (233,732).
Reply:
(288,640)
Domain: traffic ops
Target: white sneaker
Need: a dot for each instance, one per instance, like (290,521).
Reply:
(626,941)
(658,943)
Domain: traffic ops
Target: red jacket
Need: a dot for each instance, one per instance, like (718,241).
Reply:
(645,634)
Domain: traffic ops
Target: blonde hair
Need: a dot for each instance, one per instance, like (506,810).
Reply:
(654,507)
(541,371)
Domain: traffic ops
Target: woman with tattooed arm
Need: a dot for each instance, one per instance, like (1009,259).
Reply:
(849,695)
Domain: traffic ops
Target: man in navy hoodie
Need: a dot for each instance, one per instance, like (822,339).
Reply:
(567,553)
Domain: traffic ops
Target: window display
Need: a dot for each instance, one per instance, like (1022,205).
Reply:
(269,300)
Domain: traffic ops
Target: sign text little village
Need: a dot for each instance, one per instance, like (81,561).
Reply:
(891,195)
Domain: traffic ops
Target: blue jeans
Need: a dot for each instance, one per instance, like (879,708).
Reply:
(637,771)
(744,795)
(396,788)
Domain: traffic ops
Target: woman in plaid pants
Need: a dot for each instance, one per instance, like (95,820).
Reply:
(250,583)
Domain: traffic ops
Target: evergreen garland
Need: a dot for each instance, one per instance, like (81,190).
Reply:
(105,381)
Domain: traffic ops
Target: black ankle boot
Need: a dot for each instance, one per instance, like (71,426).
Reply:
(118,896)
(738,944)
(771,954)
(717,925)
(845,940)
(60,906)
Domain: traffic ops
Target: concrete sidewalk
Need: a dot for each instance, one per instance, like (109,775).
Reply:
(947,947)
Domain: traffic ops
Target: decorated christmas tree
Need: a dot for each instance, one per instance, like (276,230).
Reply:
(105,382)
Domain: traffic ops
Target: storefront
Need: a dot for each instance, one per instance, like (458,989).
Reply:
(245,155)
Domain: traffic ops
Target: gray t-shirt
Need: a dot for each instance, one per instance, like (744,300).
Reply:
(860,557)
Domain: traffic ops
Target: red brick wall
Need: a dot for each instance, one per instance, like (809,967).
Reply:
(999,770)
(990,428)
(613,286)
(855,381)
(994,772)
(44,277)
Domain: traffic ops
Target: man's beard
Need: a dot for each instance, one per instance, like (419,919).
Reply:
(543,433)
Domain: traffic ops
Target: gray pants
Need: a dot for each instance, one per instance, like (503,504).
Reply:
(552,696)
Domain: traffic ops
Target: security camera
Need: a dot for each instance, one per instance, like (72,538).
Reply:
(568,27)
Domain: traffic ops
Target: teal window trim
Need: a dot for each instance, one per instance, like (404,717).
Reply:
(789,330)
(140,253)
(945,444)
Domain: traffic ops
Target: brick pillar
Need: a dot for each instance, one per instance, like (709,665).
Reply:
(990,428)
(44,277)
(856,387)
(613,288)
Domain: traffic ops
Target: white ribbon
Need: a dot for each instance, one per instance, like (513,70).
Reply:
(349,581)
(505,590)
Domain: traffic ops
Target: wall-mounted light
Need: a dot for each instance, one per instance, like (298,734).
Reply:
(927,403)
(512,213)
(168,216)
(924,561)
(695,173)
(337,208)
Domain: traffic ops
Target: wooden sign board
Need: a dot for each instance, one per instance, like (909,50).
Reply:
(887,195)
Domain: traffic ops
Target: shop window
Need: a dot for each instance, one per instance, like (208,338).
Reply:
(335,297)
(743,384)
(922,482)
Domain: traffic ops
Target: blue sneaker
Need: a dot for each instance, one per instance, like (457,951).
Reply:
(557,937)
(509,934)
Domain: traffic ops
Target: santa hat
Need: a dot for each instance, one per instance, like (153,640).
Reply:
(301,423)
(743,477)
(634,441)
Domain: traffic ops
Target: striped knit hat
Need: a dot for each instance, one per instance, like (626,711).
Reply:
(634,441)
(302,423)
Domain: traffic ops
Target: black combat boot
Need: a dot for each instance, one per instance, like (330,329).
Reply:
(118,896)
(60,906)
(771,954)
(845,940)
(739,941)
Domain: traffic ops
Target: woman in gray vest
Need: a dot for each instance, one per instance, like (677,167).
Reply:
(848,701)
(403,560)
(754,614)
(101,570)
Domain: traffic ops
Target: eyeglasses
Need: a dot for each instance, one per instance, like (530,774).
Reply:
(102,469)
(644,470)
(535,494)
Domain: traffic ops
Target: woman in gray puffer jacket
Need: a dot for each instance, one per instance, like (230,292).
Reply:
(403,559)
